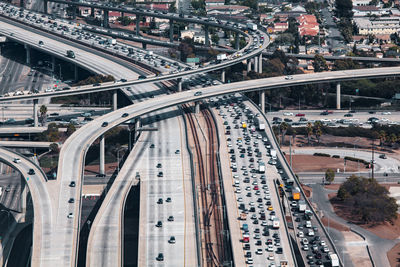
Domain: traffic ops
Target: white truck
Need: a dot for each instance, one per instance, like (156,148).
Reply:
(221,56)
(261,167)
(275,223)
(112,41)
(261,127)
(252,26)
(273,153)
(302,206)
(334,260)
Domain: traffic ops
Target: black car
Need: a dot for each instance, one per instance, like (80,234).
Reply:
(125,115)
(160,257)
(71,200)
(105,124)
(72,184)
(31,172)
(96,84)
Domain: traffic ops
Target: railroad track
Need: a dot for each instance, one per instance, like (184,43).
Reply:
(209,204)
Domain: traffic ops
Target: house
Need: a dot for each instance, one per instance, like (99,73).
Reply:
(308,25)
(280,27)
(363,11)
(215,3)
(226,10)
(383,25)
(361,2)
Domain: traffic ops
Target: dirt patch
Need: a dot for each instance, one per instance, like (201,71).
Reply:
(307,190)
(385,230)
(394,256)
(310,163)
(332,186)
(94,169)
(334,224)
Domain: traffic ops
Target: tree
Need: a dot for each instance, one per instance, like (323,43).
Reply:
(309,131)
(54,147)
(329,175)
(172,8)
(344,8)
(43,114)
(215,38)
(382,137)
(70,129)
(392,139)
(124,20)
(318,130)
(319,63)
(186,48)
(284,126)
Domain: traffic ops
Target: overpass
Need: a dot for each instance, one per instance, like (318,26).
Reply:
(25,144)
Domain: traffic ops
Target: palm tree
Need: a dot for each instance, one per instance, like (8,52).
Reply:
(392,139)
(284,126)
(294,136)
(382,137)
(309,131)
(318,130)
(43,113)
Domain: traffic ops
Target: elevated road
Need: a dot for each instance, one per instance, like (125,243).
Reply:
(21,130)
(25,144)
(43,222)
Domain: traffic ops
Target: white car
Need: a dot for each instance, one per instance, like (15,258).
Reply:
(305,247)
(17,160)
(270,248)
(70,216)
(287,114)
(300,234)
(386,113)
(259,251)
(289,77)
(326,249)
(322,243)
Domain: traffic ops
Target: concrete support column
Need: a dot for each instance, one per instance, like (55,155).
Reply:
(24,194)
(136,133)
(260,65)
(223,76)
(197,107)
(179,84)
(76,74)
(137,25)
(248,65)
(105,18)
(102,155)
(171,30)
(28,55)
(45,6)
(207,38)
(144,46)
(35,113)
(256,63)
(262,100)
(122,14)
(92,12)
(338,96)
(21,3)
(53,64)
(115,100)
(237,41)
(74,12)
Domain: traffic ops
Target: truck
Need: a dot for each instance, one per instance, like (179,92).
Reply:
(334,260)
(221,56)
(245,227)
(261,127)
(112,41)
(275,223)
(243,216)
(261,167)
(70,54)
(244,125)
(252,26)
(273,153)
(296,193)
(302,206)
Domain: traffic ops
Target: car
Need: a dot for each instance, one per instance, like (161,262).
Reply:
(300,115)
(17,160)
(348,115)
(259,251)
(41,43)
(152,146)
(382,156)
(159,224)
(289,77)
(71,200)
(168,200)
(72,184)
(177,151)
(141,77)
(70,215)
(386,113)
(125,115)
(249,261)
(159,165)
(171,218)
(160,174)
(31,172)
(96,84)
(172,240)
(160,257)
(104,124)
(160,201)
(306,248)
(198,93)
(287,114)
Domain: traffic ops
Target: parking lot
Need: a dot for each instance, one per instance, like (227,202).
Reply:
(264,236)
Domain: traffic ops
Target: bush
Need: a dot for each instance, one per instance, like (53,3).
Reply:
(322,155)
(336,156)
(356,160)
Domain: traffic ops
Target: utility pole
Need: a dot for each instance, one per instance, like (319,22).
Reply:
(373,154)
(290,149)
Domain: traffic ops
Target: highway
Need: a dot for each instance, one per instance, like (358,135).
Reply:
(42,205)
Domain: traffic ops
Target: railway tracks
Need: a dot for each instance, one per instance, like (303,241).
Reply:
(208,181)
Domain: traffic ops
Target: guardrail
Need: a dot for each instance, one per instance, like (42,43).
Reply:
(368,251)
(192,174)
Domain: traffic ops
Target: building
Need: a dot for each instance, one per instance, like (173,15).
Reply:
(215,3)
(308,25)
(384,25)
(363,11)
(361,2)
(280,27)
(226,10)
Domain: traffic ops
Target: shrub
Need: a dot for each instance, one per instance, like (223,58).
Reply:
(322,155)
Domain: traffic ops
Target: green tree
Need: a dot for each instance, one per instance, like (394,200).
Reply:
(319,63)
(283,127)
(382,137)
(172,8)
(124,20)
(318,130)
(344,8)
(215,39)
(54,147)
(43,114)
(309,131)
(70,129)
(329,175)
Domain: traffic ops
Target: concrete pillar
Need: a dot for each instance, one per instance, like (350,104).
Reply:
(76,74)
(28,55)
(207,38)
(136,133)
(248,65)
(53,64)
(92,12)
(45,6)
(24,194)
(179,84)
(35,113)
(237,41)
(256,63)
(338,96)
(102,157)
(115,100)
(137,25)
(197,107)
(144,46)
(223,76)
(262,100)
(260,65)
(171,30)
(105,18)
(122,14)
(74,12)
(21,3)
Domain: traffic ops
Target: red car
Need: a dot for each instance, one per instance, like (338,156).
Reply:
(256,187)
(300,115)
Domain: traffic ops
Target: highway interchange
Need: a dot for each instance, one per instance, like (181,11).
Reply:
(62,232)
